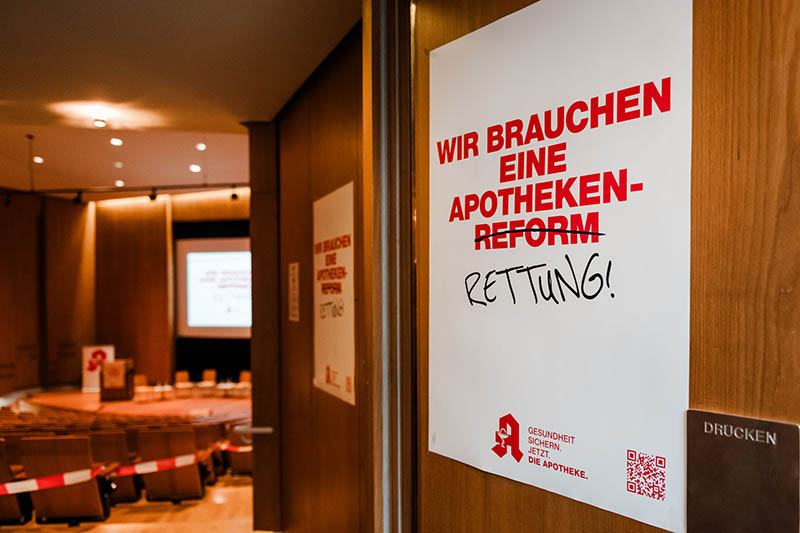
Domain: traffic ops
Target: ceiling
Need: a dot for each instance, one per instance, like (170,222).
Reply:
(164,74)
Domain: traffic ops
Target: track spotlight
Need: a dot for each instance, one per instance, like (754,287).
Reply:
(8,199)
(78,197)
(153,194)
(234,195)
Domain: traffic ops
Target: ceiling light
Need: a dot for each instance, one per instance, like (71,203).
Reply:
(234,194)
(38,159)
(153,194)
(118,164)
(120,115)
(78,197)
(195,168)
(200,147)
(116,141)
(119,183)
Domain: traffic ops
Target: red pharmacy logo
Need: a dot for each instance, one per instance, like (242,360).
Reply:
(97,357)
(507,438)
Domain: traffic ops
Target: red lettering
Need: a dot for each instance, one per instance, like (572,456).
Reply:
(523,199)
(507,168)
(557,223)
(494,138)
(563,193)
(592,224)
(514,131)
(514,226)
(490,198)
(470,144)
(534,162)
(627,102)
(544,196)
(662,99)
(577,127)
(470,205)
(554,132)
(446,150)
(556,154)
(606,110)
(456,212)
(481,231)
(505,194)
(589,186)
(535,238)
(610,184)
(499,241)
(534,132)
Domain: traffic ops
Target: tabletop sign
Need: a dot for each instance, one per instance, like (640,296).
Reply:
(559,162)
(93,359)
(743,474)
(334,295)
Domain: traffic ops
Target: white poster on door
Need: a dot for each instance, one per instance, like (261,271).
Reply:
(560,157)
(93,359)
(334,295)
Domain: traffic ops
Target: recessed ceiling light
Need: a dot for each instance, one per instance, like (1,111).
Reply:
(116,141)
(195,168)
(119,183)
(99,123)
(200,146)
(38,159)
(118,164)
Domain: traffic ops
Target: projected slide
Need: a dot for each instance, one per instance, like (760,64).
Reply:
(218,289)
(214,287)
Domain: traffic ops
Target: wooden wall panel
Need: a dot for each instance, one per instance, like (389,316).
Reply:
(69,234)
(134,287)
(20,294)
(745,309)
(265,356)
(211,205)
(320,150)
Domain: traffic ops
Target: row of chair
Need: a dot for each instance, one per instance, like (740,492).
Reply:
(46,447)
(185,388)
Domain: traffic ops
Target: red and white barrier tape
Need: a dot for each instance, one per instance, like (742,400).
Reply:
(148,467)
(80,476)
(225,447)
(49,482)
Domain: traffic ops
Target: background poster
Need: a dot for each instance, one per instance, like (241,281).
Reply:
(560,156)
(334,295)
(93,359)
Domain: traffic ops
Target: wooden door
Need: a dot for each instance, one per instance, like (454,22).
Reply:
(745,256)
(320,151)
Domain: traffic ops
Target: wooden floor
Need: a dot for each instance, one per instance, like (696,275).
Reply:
(230,408)
(226,508)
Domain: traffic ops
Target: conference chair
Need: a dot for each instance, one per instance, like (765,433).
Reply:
(245,386)
(14,509)
(13,445)
(142,392)
(209,383)
(184,483)
(206,436)
(82,502)
(111,446)
(240,463)
(183,385)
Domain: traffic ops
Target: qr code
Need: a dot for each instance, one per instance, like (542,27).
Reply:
(647,475)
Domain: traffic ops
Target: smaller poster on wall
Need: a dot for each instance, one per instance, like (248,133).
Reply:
(294,292)
(93,359)
(334,295)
